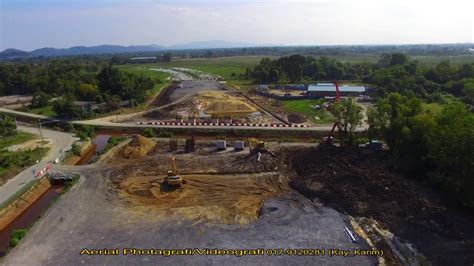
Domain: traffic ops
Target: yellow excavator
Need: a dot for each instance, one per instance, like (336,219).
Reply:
(257,146)
(173,178)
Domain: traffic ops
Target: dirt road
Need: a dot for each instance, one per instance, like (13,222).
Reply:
(87,217)
(229,201)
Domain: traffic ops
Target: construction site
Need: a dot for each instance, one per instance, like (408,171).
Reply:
(237,190)
(204,101)
(187,192)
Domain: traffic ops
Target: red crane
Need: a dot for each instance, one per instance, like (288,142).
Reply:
(328,139)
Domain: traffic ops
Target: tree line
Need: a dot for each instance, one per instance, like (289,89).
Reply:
(73,80)
(425,145)
(392,73)
(436,146)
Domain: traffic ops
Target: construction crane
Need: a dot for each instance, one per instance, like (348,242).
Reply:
(173,178)
(329,138)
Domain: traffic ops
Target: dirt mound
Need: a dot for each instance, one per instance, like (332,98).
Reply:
(221,103)
(353,180)
(218,198)
(138,147)
(296,118)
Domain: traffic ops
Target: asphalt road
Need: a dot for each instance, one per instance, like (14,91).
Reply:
(60,142)
(100,122)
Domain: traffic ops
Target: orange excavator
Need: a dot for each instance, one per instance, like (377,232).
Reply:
(173,178)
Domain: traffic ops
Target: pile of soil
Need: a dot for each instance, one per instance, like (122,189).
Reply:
(224,199)
(138,147)
(217,102)
(355,181)
(296,118)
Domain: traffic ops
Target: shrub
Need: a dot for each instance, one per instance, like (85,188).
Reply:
(16,236)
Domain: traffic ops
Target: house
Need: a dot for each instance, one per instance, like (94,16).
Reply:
(329,90)
(262,88)
(145,59)
(89,106)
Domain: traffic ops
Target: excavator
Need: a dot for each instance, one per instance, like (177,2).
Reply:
(173,178)
(258,146)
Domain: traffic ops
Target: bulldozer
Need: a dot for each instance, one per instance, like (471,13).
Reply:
(173,178)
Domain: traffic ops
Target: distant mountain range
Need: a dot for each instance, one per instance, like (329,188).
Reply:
(10,54)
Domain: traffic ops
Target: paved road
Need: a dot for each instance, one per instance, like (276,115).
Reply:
(13,112)
(100,122)
(60,141)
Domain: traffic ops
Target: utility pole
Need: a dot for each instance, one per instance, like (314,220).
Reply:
(16,125)
(41,134)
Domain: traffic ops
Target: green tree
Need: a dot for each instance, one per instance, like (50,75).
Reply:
(378,122)
(88,92)
(7,125)
(348,114)
(65,107)
(451,150)
(167,57)
(40,99)
(76,149)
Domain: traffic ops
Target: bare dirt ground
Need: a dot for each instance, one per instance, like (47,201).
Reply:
(203,98)
(357,182)
(229,201)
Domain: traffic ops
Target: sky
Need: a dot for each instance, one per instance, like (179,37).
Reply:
(31,24)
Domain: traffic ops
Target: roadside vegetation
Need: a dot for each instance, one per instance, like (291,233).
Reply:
(309,109)
(13,162)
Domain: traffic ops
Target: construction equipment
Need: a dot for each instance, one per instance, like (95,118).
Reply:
(173,178)
(329,138)
(258,146)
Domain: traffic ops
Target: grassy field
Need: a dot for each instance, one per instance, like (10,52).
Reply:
(222,66)
(47,111)
(11,163)
(305,107)
(226,66)
(423,59)
(15,139)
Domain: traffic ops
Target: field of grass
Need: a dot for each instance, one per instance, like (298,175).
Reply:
(12,163)
(222,66)
(423,59)
(305,107)
(47,111)
(21,137)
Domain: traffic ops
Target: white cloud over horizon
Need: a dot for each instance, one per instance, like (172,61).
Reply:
(28,26)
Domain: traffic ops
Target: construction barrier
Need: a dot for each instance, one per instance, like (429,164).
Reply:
(218,124)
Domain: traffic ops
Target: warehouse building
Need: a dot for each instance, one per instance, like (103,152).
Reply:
(329,90)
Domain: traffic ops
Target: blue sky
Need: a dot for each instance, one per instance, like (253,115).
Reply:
(30,24)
